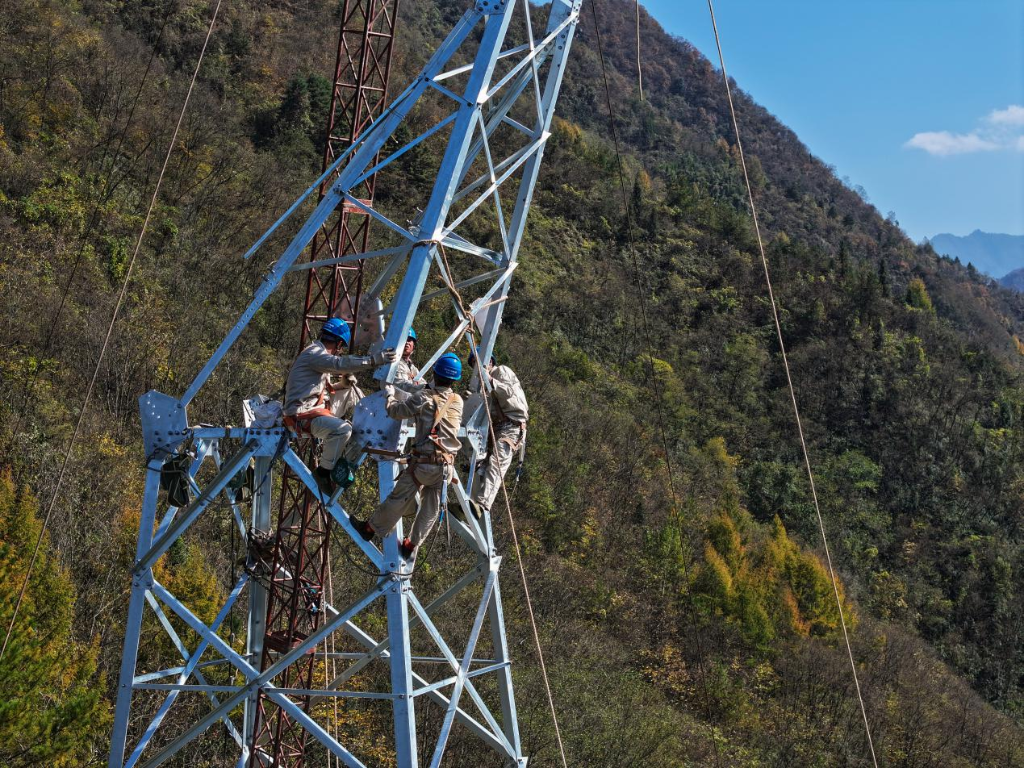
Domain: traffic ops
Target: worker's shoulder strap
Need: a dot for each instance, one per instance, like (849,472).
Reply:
(441,411)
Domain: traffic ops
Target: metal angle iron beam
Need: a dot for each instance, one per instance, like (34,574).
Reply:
(277,695)
(359,96)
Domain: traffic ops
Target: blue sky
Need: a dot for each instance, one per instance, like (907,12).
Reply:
(921,102)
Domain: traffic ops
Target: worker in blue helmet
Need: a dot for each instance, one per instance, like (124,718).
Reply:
(509,412)
(436,410)
(406,371)
(306,404)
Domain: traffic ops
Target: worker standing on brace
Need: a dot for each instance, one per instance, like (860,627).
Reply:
(509,413)
(437,411)
(305,398)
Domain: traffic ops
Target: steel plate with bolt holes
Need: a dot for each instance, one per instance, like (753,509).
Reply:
(474,421)
(164,423)
(372,427)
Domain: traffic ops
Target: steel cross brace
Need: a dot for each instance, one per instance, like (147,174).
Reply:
(480,109)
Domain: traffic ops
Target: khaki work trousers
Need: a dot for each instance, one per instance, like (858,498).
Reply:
(334,433)
(401,502)
(488,483)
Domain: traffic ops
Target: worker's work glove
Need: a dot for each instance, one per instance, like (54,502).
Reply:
(389,390)
(384,357)
(345,381)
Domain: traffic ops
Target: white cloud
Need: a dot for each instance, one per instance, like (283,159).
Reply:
(944,143)
(998,130)
(1012,115)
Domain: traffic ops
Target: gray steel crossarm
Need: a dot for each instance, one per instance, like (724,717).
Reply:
(196,624)
(462,675)
(475,727)
(162,617)
(191,668)
(379,649)
(481,705)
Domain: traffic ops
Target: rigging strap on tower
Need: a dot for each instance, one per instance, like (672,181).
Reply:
(449,282)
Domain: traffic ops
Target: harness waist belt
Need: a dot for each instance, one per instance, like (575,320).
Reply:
(444,458)
(300,422)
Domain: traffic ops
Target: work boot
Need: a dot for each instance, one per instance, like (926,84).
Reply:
(476,509)
(407,548)
(364,528)
(323,480)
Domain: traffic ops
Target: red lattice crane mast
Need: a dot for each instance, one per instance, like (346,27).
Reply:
(301,544)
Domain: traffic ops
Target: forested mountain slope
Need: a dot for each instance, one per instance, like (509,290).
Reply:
(696,633)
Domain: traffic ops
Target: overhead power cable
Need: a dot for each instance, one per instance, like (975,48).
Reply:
(106,340)
(639,68)
(94,216)
(651,373)
(792,390)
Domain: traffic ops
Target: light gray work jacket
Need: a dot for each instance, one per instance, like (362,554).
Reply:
(310,373)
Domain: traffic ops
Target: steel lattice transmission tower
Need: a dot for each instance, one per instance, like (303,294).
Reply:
(465,141)
(301,553)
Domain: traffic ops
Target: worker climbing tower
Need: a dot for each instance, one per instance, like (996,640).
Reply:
(464,143)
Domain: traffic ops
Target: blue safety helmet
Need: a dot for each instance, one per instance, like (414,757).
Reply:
(473,356)
(337,328)
(448,366)
(412,334)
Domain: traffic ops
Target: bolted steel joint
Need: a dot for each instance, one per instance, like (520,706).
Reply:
(491,6)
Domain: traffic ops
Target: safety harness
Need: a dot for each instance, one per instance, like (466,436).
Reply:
(301,422)
(438,455)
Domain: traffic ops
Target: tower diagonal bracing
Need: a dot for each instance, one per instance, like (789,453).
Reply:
(465,140)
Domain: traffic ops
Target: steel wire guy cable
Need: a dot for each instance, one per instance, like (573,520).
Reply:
(110,331)
(652,376)
(792,390)
(107,191)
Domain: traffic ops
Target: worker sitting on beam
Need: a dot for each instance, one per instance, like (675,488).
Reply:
(305,409)
(437,411)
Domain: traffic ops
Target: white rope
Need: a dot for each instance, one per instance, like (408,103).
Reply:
(106,340)
(449,280)
(792,390)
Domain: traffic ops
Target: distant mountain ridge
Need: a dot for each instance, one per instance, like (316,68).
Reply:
(994,254)
(1014,280)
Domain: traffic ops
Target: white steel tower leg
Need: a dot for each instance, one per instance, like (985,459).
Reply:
(257,623)
(560,11)
(400,660)
(141,582)
(509,718)
(452,170)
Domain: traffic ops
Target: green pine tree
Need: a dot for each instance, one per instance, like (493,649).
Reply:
(52,710)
